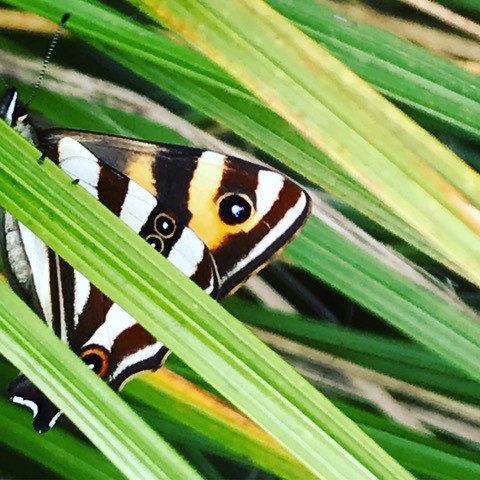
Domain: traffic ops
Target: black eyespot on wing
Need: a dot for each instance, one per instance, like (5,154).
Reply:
(156,242)
(97,359)
(234,209)
(165,225)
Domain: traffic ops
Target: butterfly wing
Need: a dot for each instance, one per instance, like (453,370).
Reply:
(217,218)
(242,212)
(252,212)
(99,331)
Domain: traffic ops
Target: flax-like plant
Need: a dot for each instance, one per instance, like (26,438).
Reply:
(261,70)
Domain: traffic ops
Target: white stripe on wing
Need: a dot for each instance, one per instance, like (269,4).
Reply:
(290,217)
(117,321)
(79,163)
(139,356)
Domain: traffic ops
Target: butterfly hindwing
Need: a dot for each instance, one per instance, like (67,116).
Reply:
(23,392)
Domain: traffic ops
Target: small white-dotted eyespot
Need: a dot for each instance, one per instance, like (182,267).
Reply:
(156,242)
(165,225)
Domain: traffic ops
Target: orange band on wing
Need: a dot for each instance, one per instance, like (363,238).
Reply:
(202,203)
(139,168)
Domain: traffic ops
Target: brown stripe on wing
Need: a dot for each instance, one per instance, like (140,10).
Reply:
(174,168)
(129,342)
(54,292)
(92,317)
(239,177)
(206,275)
(48,145)
(112,189)
(62,296)
(238,246)
(68,295)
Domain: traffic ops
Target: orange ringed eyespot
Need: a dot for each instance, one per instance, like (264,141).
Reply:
(97,359)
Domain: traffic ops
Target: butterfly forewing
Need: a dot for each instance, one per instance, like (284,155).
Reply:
(242,212)
(254,213)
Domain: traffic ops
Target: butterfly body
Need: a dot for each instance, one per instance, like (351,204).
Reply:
(216,218)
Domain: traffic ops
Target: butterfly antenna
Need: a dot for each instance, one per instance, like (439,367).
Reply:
(50,50)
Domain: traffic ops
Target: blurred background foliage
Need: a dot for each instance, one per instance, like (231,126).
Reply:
(336,305)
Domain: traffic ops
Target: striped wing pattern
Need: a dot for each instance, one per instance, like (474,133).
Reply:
(192,183)
(218,219)
(109,340)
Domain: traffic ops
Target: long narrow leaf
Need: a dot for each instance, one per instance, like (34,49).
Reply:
(336,111)
(124,438)
(62,453)
(220,349)
(197,81)
(440,326)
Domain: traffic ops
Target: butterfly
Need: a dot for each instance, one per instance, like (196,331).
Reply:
(217,218)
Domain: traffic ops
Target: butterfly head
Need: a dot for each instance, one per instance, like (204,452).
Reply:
(15,114)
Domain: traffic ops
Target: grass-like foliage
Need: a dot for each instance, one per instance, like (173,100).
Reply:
(261,70)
